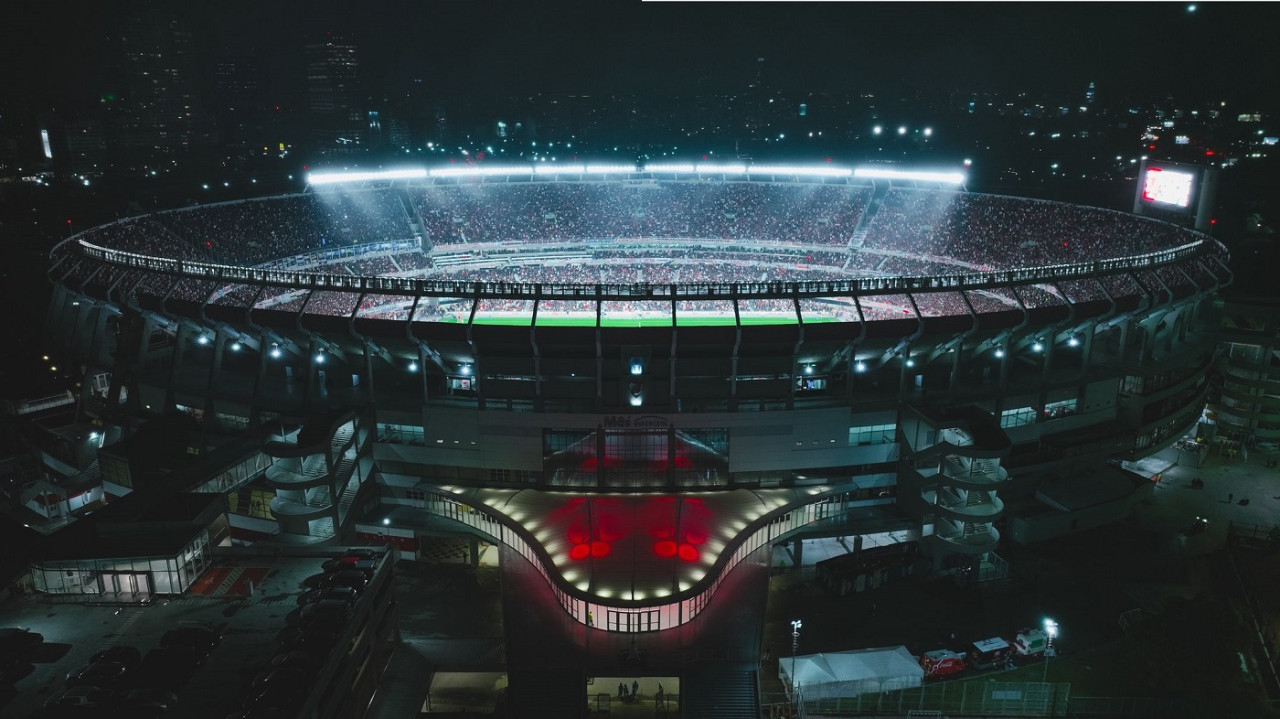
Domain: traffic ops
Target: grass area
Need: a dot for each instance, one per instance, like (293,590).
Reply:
(523,320)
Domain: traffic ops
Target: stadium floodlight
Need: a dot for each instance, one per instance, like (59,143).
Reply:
(559,169)
(480,171)
(333,178)
(880,173)
(610,169)
(669,167)
(928,131)
(877,130)
(709,167)
(902,129)
(802,170)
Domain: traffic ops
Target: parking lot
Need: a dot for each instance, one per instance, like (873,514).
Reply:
(246,600)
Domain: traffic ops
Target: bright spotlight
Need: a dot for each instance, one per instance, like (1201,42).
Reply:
(275,351)
(999,352)
(1038,346)
(319,358)
(202,340)
(386,521)
(911,362)
(902,129)
(860,366)
(465,369)
(877,130)
(1073,341)
(413,366)
(235,346)
(93,435)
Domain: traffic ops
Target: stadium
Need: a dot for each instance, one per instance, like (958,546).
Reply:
(637,376)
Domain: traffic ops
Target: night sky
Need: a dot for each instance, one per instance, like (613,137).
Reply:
(53,51)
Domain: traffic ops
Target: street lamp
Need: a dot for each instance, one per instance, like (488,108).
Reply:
(1051,631)
(795,643)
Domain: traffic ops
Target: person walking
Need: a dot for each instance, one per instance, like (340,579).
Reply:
(1230,497)
(635,687)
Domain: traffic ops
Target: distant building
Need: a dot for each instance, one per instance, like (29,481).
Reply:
(333,94)
(159,111)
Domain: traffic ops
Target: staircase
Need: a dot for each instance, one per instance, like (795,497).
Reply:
(321,528)
(719,692)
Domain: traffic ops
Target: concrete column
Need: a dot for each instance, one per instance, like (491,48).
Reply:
(797,552)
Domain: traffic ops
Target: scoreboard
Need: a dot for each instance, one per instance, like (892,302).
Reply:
(1175,192)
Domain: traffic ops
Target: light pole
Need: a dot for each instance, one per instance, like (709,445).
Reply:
(1051,631)
(795,643)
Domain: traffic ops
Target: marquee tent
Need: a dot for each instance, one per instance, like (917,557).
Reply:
(853,672)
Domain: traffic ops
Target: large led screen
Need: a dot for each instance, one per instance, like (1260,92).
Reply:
(1168,187)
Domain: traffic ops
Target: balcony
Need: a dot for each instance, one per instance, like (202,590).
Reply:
(311,504)
(969,506)
(967,538)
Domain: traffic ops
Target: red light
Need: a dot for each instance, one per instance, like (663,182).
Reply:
(68,222)
(277,108)
(688,552)
(580,552)
(665,549)
(1213,220)
(208,244)
(304,167)
(1151,147)
(704,157)
(590,463)
(1208,153)
(577,536)
(683,462)
(828,159)
(695,537)
(1064,243)
(600,549)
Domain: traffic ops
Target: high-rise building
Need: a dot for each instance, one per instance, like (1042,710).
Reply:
(160,111)
(333,96)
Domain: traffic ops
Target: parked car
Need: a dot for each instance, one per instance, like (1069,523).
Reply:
(167,668)
(352,578)
(107,675)
(346,594)
(368,566)
(294,658)
(1196,527)
(290,674)
(82,696)
(325,610)
(16,642)
(130,657)
(200,640)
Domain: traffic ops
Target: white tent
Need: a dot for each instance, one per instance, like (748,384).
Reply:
(853,672)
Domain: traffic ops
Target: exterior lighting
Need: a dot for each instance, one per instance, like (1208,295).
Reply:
(1038,346)
(236,346)
(1073,341)
(413,366)
(275,351)
(860,366)
(999,352)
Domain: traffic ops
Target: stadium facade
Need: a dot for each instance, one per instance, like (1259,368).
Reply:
(637,377)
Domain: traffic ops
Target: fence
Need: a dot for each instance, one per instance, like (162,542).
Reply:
(1019,699)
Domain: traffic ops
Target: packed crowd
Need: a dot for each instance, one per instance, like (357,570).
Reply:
(714,233)
(1008,232)
(556,211)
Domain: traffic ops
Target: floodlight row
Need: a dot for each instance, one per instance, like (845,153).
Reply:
(328,178)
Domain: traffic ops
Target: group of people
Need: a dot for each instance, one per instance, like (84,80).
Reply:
(717,233)
(634,694)
(551,211)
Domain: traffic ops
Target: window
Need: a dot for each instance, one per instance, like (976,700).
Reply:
(872,434)
(1017,417)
